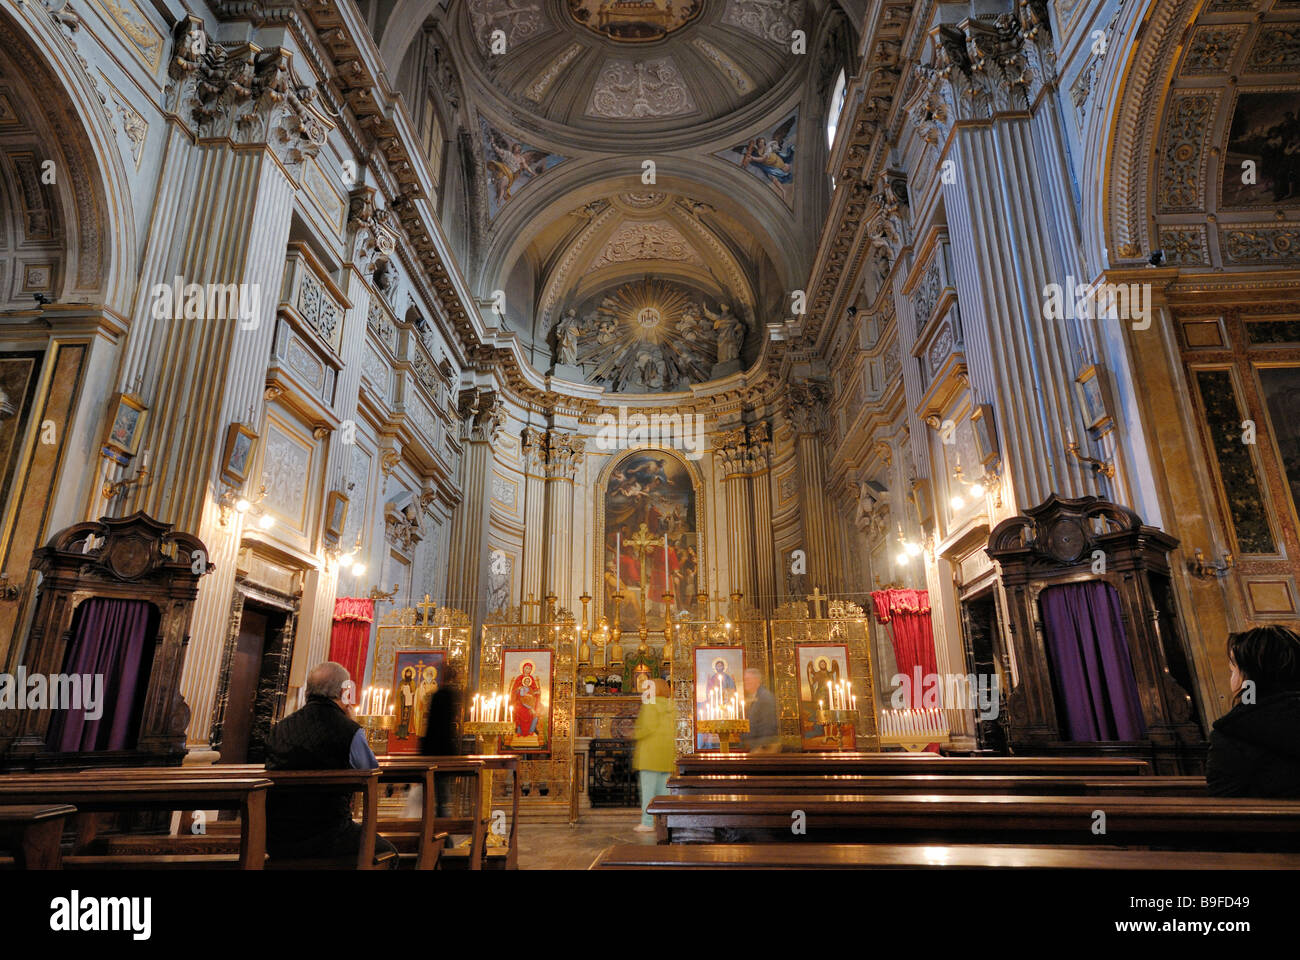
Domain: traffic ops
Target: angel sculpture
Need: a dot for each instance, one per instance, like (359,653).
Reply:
(509,162)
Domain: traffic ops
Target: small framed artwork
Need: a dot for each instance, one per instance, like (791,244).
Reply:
(526,679)
(238,454)
(986,434)
(336,514)
(820,667)
(719,673)
(416,676)
(126,426)
(921,500)
(1092,397)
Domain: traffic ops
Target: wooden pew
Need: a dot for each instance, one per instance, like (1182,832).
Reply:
(475,824)
(1186,823)
(892,764)
(364,782)
(835,856)
(104,792)
(1081,786)
(33,833)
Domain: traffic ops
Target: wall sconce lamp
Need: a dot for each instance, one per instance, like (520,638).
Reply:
(1105,467)
(334,554)
(1204,569)
(232,501)
(379,595)
(910,548)
(114,488)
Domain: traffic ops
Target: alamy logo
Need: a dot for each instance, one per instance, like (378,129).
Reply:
(1098,301)
(57,691)
(75,913)
(975,691)
(684,432)
(207,301)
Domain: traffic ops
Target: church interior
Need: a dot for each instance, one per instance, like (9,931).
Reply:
(752,433)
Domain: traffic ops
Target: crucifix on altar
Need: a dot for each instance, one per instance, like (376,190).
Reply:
(817,598)
(642,543)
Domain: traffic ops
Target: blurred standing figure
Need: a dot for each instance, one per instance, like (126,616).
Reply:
(654,745)
(442,731)
(1255,746)
(760,708)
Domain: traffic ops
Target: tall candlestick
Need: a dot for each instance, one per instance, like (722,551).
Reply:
(665,563)
(618,562)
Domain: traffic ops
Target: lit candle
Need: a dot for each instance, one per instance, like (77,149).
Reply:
(618,562)
(665,563)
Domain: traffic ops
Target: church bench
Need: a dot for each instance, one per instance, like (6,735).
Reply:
(1083,786)
(364,782)
(1186,823)
(475,825)
(32,832)
(847,856)
(106,792)
(488,763)
(869,764)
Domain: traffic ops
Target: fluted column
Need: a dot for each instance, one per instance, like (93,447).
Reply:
(564,454)
(974,106)
(731,452)
(765,567)
(534,558)
(806,409)
(482,417)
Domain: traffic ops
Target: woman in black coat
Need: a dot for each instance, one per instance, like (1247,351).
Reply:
(1255,746)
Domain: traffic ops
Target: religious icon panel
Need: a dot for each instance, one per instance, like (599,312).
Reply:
(416,675)
(526,683)
(718,678)
(651,544)
(821,666)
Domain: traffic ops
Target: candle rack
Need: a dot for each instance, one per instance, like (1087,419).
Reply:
(727,731)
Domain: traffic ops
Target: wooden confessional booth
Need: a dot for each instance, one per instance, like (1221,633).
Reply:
(1100,664)
(116,597)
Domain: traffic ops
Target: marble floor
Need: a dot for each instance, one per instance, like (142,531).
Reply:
(559,846)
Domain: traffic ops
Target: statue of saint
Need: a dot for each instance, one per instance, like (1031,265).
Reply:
(730,331)
(566,340)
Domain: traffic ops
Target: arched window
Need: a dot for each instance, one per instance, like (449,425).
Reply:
(836,108)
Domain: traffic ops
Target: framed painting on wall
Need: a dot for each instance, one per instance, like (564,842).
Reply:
(336,514)
(125,426)
(526,677)
(238,454)
(416,675)
(718,672)
(821,665)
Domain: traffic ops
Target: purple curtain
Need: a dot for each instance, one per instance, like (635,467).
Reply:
(110,637)
(1096,691)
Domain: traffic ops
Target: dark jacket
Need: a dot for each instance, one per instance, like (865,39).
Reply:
(763,730)
(1255,749)
(440,733)
(317,737)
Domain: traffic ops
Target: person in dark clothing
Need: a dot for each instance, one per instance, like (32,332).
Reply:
(1255,746)
(319,736)
(442,731)
(760,708)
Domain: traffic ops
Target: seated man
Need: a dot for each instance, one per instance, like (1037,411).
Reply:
(320,736)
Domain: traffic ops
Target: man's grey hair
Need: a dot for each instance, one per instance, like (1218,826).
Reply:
(754,671)
(327,680)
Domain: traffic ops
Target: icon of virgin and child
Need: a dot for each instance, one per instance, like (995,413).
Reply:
(528,702)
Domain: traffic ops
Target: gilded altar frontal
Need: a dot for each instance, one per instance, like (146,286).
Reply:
(650,435)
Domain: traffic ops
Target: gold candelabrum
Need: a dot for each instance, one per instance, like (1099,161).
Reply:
(377,727)
(727,731)
(831,720)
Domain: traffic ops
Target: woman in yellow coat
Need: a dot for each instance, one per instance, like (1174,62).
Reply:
(654,744)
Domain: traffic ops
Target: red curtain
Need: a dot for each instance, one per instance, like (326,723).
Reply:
(350,638)
(907,613)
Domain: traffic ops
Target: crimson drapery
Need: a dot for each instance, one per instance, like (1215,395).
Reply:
(350,638)
(907,613)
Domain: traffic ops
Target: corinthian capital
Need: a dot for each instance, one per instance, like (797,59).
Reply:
(731,451)
(564,454)
(806,405)
(243,93)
